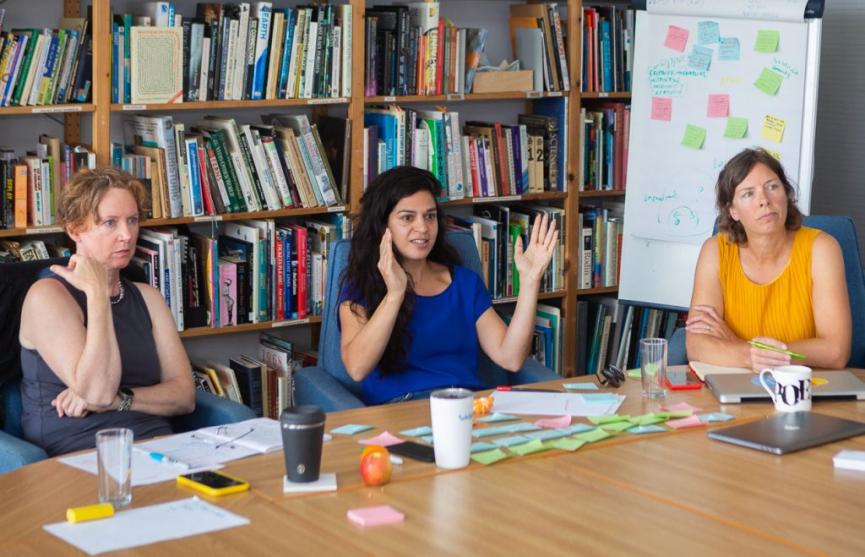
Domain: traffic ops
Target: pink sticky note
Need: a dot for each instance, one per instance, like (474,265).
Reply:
(554,423)
(677,38)
(719,106)
(385,439)
(375,516)
(662,108)
(681,406)
(690,421)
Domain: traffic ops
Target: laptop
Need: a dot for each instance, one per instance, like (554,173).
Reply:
(787,432)
(746,387)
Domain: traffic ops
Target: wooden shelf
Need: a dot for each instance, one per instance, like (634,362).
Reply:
(289,212)
(593,291)
(31,231)
(602,193)
(247,327)
(545,196)
(541,296)
(48,109)
(460,97)
(605,96)
(221,105)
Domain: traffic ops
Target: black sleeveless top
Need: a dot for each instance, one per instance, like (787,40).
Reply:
(139,368)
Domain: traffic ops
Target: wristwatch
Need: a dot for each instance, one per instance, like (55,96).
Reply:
(126,395)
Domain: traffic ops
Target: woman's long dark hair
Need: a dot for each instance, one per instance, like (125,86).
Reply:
(362,279)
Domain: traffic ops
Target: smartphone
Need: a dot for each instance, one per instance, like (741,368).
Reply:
(410,449)
(682,379)
(213,483)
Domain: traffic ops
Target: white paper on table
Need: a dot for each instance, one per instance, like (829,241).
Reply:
(261,434)
(553,404)
(146,525)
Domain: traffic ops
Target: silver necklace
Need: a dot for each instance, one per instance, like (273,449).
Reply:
(119,296)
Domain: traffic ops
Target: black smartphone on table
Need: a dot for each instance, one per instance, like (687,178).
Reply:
(410,449)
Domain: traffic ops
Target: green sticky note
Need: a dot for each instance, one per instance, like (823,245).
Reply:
(635,373)
(648,419)
(566,444)
(489,457)
(736,127)
(679,413)
(769,81)
(607,419)
(694,137)
(592,436)
(618,426)
(533,446)
(767,40)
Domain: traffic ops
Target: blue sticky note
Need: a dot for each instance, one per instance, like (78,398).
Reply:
(578,428)
(510,441)
(700,58)
(547,434)
(600,398)
(489,431)
(728,49)
(481,446)
(417,431)
(427,439)
(350,429)
(715,417)
(646,429)
(581,386)
(520,427)
(708,32)
(498,417)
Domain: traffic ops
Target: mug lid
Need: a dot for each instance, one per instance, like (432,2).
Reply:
(305,414)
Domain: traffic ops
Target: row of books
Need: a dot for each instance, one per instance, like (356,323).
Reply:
(495,229)
(12,251)
(46,66)
(543,17)
(234,52)
(248,272)
(609,331)
(219,166)
(608,48)
(546,347)
(600,248)
(31,184)
(479,159)
(604,136)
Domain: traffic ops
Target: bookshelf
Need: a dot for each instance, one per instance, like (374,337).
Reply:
(103,116)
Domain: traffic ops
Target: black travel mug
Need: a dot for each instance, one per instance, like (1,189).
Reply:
(302,436)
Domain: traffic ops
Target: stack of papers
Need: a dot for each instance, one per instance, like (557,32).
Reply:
(556,404)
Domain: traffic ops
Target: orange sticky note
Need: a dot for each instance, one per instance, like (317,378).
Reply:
(662,108)
(719,106)
(677,38)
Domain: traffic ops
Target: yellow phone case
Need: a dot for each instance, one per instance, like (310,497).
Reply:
(215,491)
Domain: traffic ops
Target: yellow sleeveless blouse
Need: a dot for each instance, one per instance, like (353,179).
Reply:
(782,308)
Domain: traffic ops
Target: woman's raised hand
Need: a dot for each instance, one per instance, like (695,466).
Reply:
(85,274)
(391,271)
(533,261)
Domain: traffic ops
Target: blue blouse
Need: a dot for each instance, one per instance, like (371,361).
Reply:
(444,348)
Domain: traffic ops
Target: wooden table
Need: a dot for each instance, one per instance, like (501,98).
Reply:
(674,493)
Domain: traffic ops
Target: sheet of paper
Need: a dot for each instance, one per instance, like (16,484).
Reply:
(694,137)
(767,40)
(708,32)
(703,369)
(197,450)
(146,525)
(677,38)
(719,106)
(262,434)
(385,439)
(351,429)
(581,386)
(728,49)
(662,109)
(489,457)
(773,128)
(553,404)
(769,81)
(736,128)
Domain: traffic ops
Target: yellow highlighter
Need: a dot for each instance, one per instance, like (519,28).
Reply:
(89,512)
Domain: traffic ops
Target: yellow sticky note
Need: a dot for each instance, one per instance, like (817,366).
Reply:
(769,81)
(773,128)
(694,137)
(767,40)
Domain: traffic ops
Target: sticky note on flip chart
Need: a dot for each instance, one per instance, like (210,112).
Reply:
(719,106)
(708,32)
(728,49)
(677,38)
(767,40)
(694,136)
(662,108)
(736,128)
(769,81)
(773,128)
(700,58)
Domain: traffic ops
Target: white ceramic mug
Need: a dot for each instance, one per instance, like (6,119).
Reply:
(792,392)
(451,416)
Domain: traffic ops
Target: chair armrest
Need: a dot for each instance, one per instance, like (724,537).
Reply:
(15,452)
(533,372)
(314,385)
(211,410)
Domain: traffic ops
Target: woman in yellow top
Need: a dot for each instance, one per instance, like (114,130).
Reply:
(766,277)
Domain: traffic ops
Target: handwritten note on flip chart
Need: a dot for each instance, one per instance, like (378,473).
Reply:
(662,108)
(767,41)
(769,81)
(708,32)
(728,49)
(676,39)
(700,58)
(773,128)
(719,106)
(694,137)
(736,128)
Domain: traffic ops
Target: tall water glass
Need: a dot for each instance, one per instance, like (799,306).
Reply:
(653,367)
(114,458)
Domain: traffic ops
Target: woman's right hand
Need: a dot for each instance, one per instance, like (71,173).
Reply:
(762,358)
(85,274)
(391,271)
(69,404)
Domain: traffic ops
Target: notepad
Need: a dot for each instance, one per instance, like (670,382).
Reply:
(375,516)
(703,369)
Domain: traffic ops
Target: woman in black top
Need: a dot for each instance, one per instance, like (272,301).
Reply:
(99,351)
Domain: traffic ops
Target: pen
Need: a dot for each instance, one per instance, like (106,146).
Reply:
(159,457)
(505,388)
(794,355)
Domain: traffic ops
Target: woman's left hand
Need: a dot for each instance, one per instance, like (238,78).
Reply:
(705,320)
(533,261)
(70,404)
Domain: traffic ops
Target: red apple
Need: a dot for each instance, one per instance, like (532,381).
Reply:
(375,466)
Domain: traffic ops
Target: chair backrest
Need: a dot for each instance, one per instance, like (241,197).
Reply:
(329,354)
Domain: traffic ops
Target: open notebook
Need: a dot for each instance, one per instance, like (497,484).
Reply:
(703,369)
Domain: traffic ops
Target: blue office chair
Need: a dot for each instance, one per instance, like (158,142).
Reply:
(329,386)
(15,280)
(843,229)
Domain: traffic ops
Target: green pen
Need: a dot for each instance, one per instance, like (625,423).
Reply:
(794,355)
